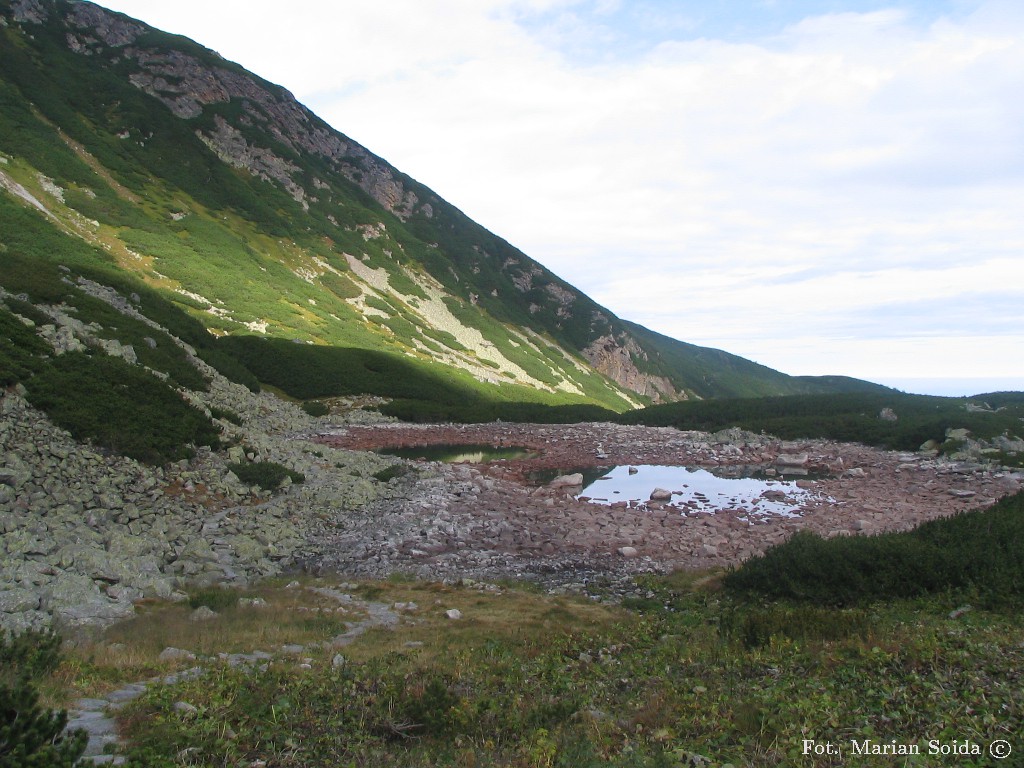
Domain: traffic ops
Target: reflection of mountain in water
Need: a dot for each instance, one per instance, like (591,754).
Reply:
(697,490)
(459,454)
(545,476)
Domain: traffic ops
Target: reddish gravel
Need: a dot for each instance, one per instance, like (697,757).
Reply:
(494,513)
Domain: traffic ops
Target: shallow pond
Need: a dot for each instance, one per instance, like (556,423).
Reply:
(459,454)
(696,490)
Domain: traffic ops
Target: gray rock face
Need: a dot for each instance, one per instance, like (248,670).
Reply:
(187,86)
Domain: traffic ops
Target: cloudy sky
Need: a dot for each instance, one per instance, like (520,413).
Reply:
(823,186)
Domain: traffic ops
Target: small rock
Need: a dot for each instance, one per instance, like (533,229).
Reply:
(202,613)
(660,494)
(173,654)
(628,552)
(960,611)
(184,708)
(792,459)
(454,614)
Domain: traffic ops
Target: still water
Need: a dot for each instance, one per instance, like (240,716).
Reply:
(696,490)
(459,454)
(693,489)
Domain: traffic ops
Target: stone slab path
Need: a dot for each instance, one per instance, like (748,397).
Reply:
(97,716)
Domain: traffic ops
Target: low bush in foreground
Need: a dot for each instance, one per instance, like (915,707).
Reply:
(526,679)
(978,555)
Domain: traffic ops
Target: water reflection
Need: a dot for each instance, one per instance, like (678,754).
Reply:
(459,454)
(697,490)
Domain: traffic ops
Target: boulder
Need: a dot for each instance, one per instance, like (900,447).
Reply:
(567,481)
(792,459)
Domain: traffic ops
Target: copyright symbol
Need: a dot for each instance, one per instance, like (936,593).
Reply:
(1000,749)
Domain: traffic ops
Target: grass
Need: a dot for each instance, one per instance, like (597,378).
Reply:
(530,679)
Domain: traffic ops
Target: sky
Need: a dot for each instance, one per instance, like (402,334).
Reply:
(822,186)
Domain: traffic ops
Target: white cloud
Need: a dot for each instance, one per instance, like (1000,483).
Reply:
(867,159)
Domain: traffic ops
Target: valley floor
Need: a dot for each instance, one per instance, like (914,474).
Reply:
(87,535)
(489,520)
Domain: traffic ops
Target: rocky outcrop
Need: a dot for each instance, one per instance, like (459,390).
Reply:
(188,86)
(615,358)
(32,11)
(230,146)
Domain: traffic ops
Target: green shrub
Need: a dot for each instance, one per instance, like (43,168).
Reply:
(390,473)
(979,554)
(32,736)
(315,408)
(31,653)
(268,475)
(119,406)
(848,417)
(225,415)
(21,350)
(427,707)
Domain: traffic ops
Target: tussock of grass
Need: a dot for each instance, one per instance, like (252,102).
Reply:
(289,616)
(526,678)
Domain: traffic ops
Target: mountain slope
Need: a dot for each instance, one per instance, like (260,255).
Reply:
(254,215)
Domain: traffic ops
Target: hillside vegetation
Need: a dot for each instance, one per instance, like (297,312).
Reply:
(891,419)
(250,214)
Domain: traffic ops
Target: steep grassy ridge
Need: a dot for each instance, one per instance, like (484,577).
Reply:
(255,217)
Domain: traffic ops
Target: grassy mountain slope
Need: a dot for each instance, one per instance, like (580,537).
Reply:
(256,217)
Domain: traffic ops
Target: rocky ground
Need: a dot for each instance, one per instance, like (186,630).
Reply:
(87,535)
(487,520)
